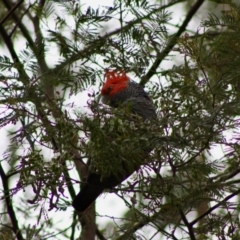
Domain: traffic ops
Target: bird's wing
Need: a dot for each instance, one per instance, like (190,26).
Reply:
(142,107)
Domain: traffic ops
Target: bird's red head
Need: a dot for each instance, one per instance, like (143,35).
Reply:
(115,82)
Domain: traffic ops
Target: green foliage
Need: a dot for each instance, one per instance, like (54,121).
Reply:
(118,145)
(197,102)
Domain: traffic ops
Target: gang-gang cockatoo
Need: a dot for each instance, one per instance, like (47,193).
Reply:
(117,91)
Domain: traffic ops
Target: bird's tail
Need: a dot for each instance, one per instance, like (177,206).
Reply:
(86,197)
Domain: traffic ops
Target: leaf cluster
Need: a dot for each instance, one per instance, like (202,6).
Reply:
(197,103)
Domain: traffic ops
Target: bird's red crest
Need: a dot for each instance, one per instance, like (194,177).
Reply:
(115,82)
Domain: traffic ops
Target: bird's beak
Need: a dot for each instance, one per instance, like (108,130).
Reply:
(105,99)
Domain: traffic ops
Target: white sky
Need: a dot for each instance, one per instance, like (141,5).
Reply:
(107,204)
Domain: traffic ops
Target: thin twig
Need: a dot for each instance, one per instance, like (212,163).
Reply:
(27,36)
(15,27)
(87,51)
(73,226)
(11,11)
(171,43)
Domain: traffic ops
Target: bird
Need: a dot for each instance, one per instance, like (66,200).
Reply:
(117,91)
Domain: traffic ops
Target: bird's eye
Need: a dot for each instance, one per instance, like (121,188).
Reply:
(109,89)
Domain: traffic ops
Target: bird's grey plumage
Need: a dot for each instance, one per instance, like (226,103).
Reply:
(134,96)
(140,104)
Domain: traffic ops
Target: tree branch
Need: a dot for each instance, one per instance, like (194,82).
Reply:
(162,218)
(8,201)
(7,40)
(215,207)
(190,230)
(86,51)
(99,235)
(171,43)
(87,226)
(27,36)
